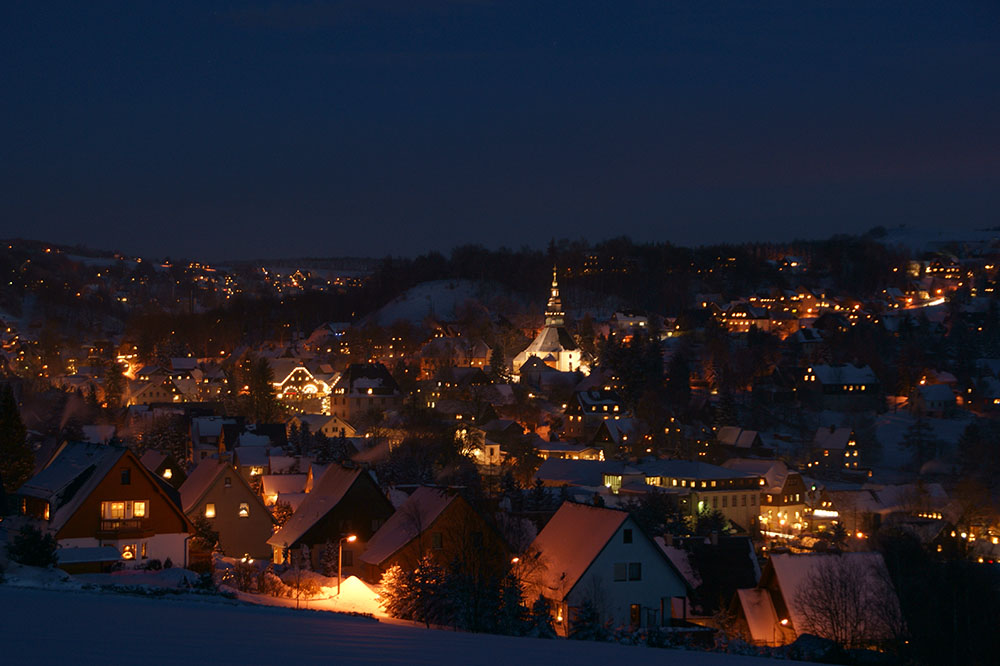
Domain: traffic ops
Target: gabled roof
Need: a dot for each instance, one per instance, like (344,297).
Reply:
(832,438)
(580,472)
(774,472)
(760,614)
(277,484)
(152,459)
(324,496)
(845,374)
(200,480)
(571,541)
(415,516)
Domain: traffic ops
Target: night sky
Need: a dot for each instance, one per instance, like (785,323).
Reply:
(374,127)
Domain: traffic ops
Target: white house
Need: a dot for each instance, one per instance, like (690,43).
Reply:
(601,555)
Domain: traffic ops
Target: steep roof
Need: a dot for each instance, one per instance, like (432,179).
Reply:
(572,540)
(275,484)
(324,496)
(200,480)
(794,573)
(416,515)
(760,614)
(832,438)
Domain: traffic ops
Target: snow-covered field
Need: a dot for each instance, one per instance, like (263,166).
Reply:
(39,626)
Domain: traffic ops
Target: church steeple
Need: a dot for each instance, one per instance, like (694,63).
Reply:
(553,310)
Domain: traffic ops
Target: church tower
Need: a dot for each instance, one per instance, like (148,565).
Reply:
(554,315)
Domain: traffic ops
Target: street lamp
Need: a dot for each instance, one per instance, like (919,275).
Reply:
(340,556)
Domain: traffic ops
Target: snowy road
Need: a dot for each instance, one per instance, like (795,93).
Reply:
(61,627)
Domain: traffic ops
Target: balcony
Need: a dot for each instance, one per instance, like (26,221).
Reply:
(121,527)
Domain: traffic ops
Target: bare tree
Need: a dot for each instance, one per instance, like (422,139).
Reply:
(850,600)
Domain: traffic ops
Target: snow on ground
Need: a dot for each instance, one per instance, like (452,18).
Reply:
(439,299)
(49,627)
(890,428)
(355,597)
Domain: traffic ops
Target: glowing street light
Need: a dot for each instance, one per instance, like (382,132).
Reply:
(340,556)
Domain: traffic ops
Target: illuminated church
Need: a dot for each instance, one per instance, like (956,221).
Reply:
(554,345)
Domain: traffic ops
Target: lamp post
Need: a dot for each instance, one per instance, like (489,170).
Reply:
(340,556)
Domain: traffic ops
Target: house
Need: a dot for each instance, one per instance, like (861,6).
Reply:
(782,504)
(452,352)
(434,522)
(588,408)
(701,487)
(330,426)
(803,594)
(714,568)
(601,556)
(165,466)
(341,502)
(842,387)
(287,488)
(935,400)
(834,448)
(363,388)
(93,495)
(215,491)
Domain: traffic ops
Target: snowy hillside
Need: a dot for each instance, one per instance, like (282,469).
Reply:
(60,627)
(441,298)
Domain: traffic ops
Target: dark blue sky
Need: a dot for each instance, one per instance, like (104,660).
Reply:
(367,127)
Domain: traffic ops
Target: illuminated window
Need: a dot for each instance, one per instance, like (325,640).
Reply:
(210,511)
(167,473)
(143,548)
(128,551)
(139,509)
(244,510)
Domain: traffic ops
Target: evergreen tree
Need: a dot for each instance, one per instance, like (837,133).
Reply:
(514,618)
(498,363)
(586,624)
(114,384)
(33,547)
(399,593)
(920,439)
(17,462)
(261,402)
(329,560)
(205,536)
(541,619)
(281,511)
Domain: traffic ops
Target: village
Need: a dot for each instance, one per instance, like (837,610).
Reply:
(732,451)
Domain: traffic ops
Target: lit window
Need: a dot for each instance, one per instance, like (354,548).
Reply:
(139,510)
(128,551)
(210,511)
(168,473)
(244,510)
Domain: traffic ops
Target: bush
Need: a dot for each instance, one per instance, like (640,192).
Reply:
(154,565)
(33,547)
(168,563)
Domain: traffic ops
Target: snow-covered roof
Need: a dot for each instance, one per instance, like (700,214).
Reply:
(937,393)
(689,470)
(580,472)
(279,464)
(845,374)
(275,484)
(248,439)
(152,459)
(200,480)
(681,559)
(794,573)
(551,340)
(571,541)
(416,515)
(324,496)
(832,438)
(774,472)
(760,614)
(69,478)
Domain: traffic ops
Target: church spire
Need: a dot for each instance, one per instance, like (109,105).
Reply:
(553,310)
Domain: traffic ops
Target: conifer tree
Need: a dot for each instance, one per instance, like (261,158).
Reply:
(541,619)
(586,625)
(17,462)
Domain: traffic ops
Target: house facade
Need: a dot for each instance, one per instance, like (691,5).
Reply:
(588,554)
(92,495)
